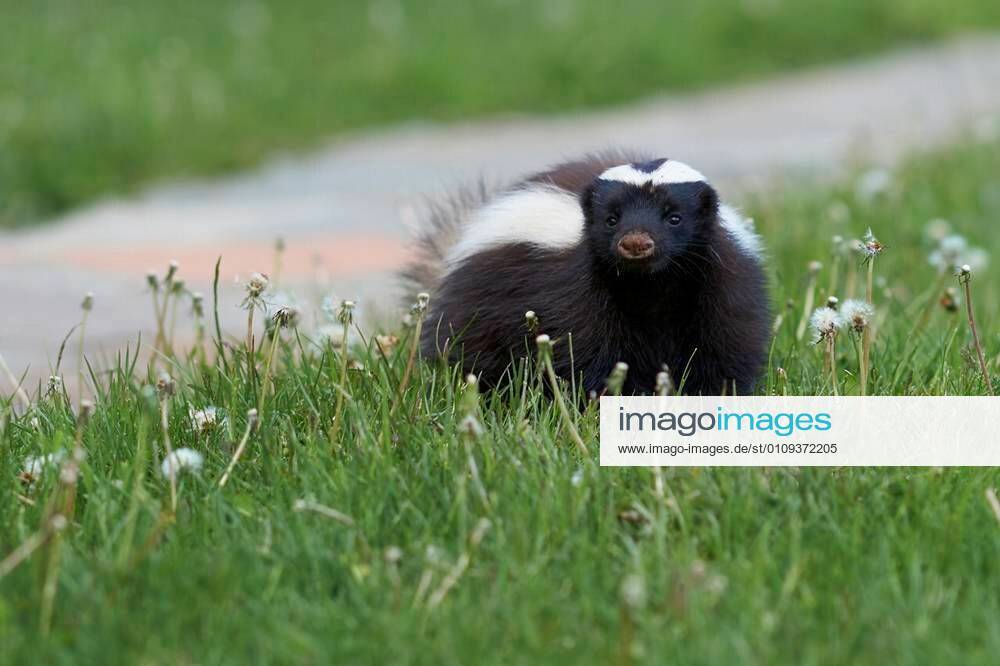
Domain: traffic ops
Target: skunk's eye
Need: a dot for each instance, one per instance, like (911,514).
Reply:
(673,219)
(612,220)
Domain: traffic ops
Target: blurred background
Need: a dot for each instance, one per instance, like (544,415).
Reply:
(135,133)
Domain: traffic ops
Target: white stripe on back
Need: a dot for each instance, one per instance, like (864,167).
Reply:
(542,215)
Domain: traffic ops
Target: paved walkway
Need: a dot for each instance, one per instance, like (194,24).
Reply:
(343,211)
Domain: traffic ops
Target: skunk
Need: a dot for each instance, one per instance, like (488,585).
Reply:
(621,260)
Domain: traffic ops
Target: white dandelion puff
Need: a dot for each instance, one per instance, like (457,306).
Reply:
(824,323)
(35,465)
(953,251)
(181,460)
(205,419)
(856,314)
(873,184)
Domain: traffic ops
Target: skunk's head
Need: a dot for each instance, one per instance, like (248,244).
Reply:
(643,218)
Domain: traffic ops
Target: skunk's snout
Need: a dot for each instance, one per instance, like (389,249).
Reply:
(636,245)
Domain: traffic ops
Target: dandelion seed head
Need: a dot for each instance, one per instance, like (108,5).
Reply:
(68,475)
(165,385)
(181,460)
(633,591)
(856,314)
(937,229)
(832,302)
(393,555)
(824,323)
(286,316)
(950,300)
(471,426)
(204,420)
(873,184)
(386,343)
(815,267)
(256,285)
(88,302)
(36,465)
(872,246)
(345,315)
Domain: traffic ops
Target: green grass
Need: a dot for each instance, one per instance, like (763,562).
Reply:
(794,566)
(101,96)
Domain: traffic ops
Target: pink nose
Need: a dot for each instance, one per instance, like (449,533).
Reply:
(636,245)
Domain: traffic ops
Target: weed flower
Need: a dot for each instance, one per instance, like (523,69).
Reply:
(165,386)
(531,321)
(872,246)
(953,251)
(420,306)
(856,314)
(386,343)
(345,314)
(204,420)
(88,302)
(633,591)
(34,465)
(873,184)
(198,304)
(180,460)
(937,229)
(950,300)
(286,316)
(824,323)
(616,380)
(255,286)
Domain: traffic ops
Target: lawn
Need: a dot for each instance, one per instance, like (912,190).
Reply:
(450,527)
(102,96)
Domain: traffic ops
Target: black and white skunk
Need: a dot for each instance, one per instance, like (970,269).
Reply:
(629,260)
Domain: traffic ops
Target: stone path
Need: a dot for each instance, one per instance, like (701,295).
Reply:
(343,211)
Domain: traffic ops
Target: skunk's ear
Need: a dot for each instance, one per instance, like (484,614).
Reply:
(708,201)
(587,201)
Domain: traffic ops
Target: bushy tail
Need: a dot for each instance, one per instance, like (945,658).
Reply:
(438,232)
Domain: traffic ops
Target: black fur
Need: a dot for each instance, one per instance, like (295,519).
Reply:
(698,304)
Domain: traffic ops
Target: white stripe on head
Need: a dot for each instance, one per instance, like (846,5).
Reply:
(541,215)
(741,231)
(670,172)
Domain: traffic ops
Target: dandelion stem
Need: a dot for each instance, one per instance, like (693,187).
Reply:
(410,362)
(807,308)
(831,361)
(545,351)
(251,421)
(79,358)
(339,409)
(164,428)
(266,382)
(51,575)
(866,336)
(966,279)
(251,359)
